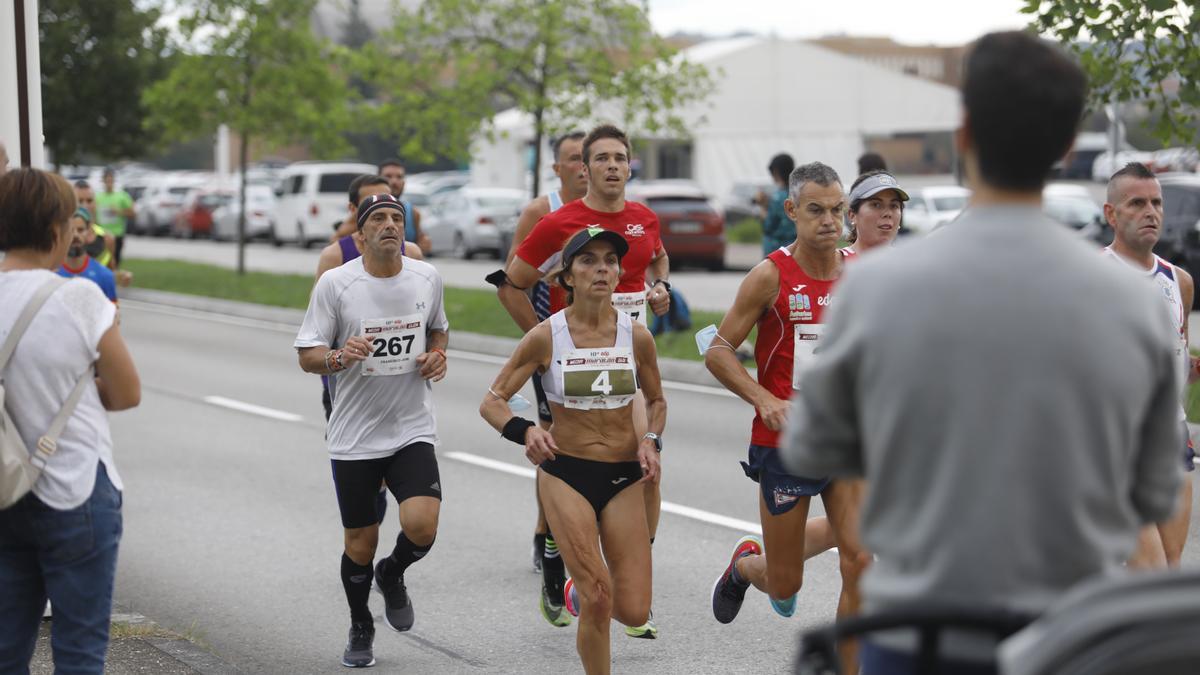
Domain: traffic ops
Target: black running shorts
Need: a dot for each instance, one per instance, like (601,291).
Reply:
(412,471)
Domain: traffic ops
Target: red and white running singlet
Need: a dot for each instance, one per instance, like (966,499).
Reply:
(788,334)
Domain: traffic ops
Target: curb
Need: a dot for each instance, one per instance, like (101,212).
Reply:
(673,370)
(181,648)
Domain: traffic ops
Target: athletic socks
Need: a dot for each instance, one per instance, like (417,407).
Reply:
(356,579)
(539,543)
(405,554)
(553,569)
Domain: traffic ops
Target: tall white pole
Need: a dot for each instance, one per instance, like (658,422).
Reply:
(21,84)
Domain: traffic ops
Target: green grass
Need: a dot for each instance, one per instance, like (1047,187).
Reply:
(745,231)
(472,310)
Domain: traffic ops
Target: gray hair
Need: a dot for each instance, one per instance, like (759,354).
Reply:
(814,172)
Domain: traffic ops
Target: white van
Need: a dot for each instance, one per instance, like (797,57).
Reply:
(312,199)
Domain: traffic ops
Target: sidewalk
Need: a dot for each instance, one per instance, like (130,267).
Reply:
(139,646)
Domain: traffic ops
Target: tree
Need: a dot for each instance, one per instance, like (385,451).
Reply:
(263,73)
(1133,50)
(96,59)
(554,59)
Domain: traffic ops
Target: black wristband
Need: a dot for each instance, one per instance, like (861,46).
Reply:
(664,282)
(515,428)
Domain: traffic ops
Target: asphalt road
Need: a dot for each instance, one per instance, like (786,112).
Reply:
(232,532)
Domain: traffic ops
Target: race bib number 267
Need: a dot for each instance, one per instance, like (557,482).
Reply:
(395,344)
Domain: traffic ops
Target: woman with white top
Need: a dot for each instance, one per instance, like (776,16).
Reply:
(59,541)
(593,466)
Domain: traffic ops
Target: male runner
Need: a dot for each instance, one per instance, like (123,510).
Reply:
(605,155)
(1134,210)
(79,264)
(568,166)
(377,325)
(785,296)
(113,210)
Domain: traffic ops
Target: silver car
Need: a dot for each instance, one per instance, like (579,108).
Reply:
(466,222)
(931,207)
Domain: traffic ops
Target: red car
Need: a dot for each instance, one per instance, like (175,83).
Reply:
(693,229)
(195,219)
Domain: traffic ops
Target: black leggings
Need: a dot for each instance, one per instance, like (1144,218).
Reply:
(598,482)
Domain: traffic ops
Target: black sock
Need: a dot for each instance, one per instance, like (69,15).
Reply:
(539,543)
(405,554)
(553,570)
(356,579)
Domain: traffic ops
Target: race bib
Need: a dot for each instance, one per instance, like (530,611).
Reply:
(806,341)
(633,304)
(598,378)
(108,215)
(395,344)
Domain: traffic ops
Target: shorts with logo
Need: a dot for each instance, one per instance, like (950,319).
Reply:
(780,489)
(412,471)
(597,482)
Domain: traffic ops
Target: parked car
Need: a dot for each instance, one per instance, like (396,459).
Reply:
(260,215)
(434,183)
(692,227)
(195,217)
(1105,166)
(465,222)
(740,203)
(1073,206)
(311,195)
(162,199)
(929,208)
(1180,240)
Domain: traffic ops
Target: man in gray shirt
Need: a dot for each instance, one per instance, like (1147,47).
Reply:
(1010,397)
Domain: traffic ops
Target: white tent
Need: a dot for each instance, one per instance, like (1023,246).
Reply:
(772,95)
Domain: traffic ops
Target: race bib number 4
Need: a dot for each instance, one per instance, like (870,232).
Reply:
(395,344)
(805,344)
(598,378)
(633,304)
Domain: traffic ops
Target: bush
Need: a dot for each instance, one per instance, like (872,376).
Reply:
(745,231)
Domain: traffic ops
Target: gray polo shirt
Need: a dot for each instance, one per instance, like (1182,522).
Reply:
(1011,397)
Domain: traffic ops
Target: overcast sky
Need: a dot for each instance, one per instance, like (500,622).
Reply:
(941,22)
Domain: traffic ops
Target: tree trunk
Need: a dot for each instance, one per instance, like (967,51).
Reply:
(537,151)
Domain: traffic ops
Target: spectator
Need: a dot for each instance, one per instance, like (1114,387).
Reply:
(1007,458)
(59,541)
(778,230)
(871,161)
(79,263)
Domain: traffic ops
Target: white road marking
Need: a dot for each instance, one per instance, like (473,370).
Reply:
(669,507)
(211,316)
(253,409)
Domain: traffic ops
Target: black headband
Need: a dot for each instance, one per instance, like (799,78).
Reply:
(375,202)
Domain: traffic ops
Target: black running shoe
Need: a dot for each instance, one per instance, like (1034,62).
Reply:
(728,594)
(398,609)
(358,652)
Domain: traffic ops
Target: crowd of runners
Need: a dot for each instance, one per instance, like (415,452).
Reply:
(586,269)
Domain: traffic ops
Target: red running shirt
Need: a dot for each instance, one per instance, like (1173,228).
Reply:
(793,322)
(635,222)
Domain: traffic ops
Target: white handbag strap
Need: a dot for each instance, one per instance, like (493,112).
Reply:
(48,443)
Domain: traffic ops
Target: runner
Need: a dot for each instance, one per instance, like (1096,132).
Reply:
(876,210)
(606,165)
(113,209)
(1134,210)
(568,166)
(785,296)
(102,246)
(344,245)
(594,468)
(377,325)
(79,264)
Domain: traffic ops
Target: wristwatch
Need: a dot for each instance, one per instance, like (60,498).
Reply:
(656,438)
(664,282)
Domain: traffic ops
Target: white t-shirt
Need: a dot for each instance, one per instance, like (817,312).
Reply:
(60,344)
(373,416)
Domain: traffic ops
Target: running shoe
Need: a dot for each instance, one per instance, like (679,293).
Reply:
(784,608)
(571,597)
(729,593)
(551,603)
(646,631)
(398,609)
(358,652)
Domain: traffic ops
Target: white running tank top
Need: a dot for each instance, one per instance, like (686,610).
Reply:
(556,203)
(1166,278)
(552,379)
